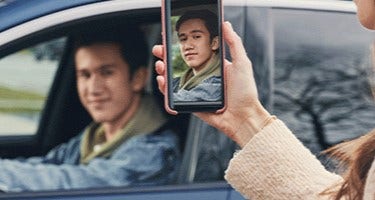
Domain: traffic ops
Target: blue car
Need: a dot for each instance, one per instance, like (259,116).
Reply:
(309,57)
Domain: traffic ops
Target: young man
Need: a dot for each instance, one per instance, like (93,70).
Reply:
(128,142)
(197,32)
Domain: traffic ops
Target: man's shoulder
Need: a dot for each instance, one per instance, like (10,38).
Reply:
(175,83)
(161,134)
(212,80)
(163,140)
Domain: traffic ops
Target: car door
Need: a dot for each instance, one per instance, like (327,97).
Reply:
(39,83)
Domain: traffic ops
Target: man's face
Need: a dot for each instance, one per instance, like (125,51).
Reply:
(195,45)
(103,81)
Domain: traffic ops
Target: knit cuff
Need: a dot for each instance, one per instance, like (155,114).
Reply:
(369,193)
(276,165)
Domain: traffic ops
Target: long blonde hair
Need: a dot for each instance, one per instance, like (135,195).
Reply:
(356,157)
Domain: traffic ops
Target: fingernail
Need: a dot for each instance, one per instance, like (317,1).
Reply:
(229,24)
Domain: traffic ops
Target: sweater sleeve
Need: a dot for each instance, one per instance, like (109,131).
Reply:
(369,193)
(276,165)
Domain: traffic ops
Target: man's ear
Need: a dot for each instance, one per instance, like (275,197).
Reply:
(215,43)
(139,79)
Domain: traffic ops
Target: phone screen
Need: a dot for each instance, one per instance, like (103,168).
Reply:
(194,55)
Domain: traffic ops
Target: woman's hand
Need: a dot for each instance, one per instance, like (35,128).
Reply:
(244,115)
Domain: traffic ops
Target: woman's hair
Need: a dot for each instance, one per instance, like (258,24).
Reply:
(356,157)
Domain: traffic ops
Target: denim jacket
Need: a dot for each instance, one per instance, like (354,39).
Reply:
(208,90)
(147,159)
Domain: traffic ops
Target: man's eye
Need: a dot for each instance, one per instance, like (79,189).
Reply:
(106,72)
(85,75)
(197,36)
(182,39)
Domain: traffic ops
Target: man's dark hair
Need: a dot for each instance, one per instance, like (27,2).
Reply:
(131,39)
(209,18)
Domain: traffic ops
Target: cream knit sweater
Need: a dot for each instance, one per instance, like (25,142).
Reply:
(370,184)
(276,165)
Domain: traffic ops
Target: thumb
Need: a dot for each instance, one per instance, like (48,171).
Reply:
(234,42)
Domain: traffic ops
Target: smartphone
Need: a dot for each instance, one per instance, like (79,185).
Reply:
(193,53)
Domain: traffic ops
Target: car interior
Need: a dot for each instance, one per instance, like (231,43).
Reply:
(205,150)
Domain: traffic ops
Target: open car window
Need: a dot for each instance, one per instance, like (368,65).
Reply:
(25,79)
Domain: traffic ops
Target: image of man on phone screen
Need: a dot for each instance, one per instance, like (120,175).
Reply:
(199,45)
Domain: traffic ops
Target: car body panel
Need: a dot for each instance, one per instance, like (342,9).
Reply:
(62,13)
(217,191)
(32,9)
(326,5)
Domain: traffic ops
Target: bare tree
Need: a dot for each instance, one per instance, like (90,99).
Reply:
(324,94)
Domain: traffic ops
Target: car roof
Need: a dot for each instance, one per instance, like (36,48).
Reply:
(328,5)
(21,11)
(25,10)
